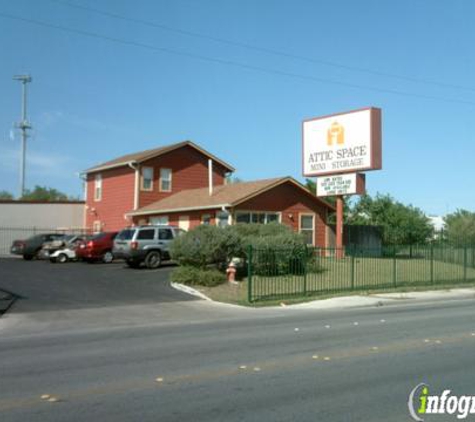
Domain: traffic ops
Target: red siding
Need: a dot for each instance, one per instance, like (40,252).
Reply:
(117,198)
(291,202)
(193,216)
(189,171)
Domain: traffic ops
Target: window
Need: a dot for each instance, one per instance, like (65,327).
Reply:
(307,227)
(206,219)
(98,187)
(165,234)
(222,219)
(126,234)
(147,178)
(257,217)
(159,221)
(165,180)
(147,234)
(96,227)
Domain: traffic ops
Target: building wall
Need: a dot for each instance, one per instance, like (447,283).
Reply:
(195,218)
(189,171)
(286,199)
(118,187)
(48,215)
(291,202)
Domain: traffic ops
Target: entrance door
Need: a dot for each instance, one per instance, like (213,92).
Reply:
(184,222)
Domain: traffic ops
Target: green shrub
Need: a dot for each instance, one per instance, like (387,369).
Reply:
(197,276)
(205,246)
(278,249)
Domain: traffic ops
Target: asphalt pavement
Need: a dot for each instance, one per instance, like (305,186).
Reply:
(44,287)
(205,362)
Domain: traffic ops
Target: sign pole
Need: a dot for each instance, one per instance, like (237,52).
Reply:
(339,227)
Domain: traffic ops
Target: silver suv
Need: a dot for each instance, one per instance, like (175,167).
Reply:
(145,244)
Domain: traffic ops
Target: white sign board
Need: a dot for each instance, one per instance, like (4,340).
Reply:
(342,143)
(346,184)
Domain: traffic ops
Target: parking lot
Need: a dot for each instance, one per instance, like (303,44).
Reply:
(42,286)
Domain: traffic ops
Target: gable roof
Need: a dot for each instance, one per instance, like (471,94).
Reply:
(223,196)
(139,157)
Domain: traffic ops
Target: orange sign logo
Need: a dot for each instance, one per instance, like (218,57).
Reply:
(335,134)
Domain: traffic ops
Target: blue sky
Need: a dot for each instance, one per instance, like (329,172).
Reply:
(207,70)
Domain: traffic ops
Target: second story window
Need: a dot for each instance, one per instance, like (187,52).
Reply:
(165,180)
(147,178)
(98,187)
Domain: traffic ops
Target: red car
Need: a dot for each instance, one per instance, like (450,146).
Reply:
(98,248)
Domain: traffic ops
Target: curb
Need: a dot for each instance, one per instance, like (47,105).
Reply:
(191,291)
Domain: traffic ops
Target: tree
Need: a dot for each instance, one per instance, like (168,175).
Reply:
(43,193)
(5,195)
(460,227)
(402,224)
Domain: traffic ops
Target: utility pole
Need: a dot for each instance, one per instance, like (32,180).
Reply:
(23,125)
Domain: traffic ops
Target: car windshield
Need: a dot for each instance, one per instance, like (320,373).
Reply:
(126,234)
(99,236)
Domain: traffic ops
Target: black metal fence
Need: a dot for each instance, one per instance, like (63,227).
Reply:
(10,234)
(280,273)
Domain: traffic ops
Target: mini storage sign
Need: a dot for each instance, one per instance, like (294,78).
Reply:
(345,184)
(342,143)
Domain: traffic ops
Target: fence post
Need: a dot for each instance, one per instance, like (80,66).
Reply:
(431,263)
(353,270)
(304,262)
(465,263)
(249,273)
(394,267)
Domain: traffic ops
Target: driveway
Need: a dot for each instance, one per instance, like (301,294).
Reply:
(42,286)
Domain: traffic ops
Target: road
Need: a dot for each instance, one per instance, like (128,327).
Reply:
(227,364)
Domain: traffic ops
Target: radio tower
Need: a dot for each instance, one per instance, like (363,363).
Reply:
(23,125)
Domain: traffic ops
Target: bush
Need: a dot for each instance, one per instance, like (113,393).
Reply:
(197,276)
(278,249)
(205,246)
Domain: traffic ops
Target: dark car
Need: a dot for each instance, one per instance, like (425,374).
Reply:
(30,247)
(98,248)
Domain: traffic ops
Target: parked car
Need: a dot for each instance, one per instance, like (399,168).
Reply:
(63,250)
(145,244)
(30,247)
(66,241)
(98,248)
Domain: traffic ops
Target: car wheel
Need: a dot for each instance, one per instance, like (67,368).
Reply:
(27,257)
(133,264)
(153,260)
(108,257)
(62,258)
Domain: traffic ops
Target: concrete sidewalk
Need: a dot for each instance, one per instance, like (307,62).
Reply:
(355,301)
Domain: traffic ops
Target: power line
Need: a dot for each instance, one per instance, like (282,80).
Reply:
(230,62)
(262,49)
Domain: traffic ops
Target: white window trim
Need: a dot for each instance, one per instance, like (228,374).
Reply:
(142,188)
(279,213)
(98,185)
(308,214)
(160,180)
(95,225)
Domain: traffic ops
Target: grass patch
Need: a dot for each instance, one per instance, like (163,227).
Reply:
(345,277)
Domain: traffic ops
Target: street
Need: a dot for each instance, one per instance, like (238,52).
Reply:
(199,361)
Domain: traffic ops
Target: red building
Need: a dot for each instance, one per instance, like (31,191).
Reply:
(184,185)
